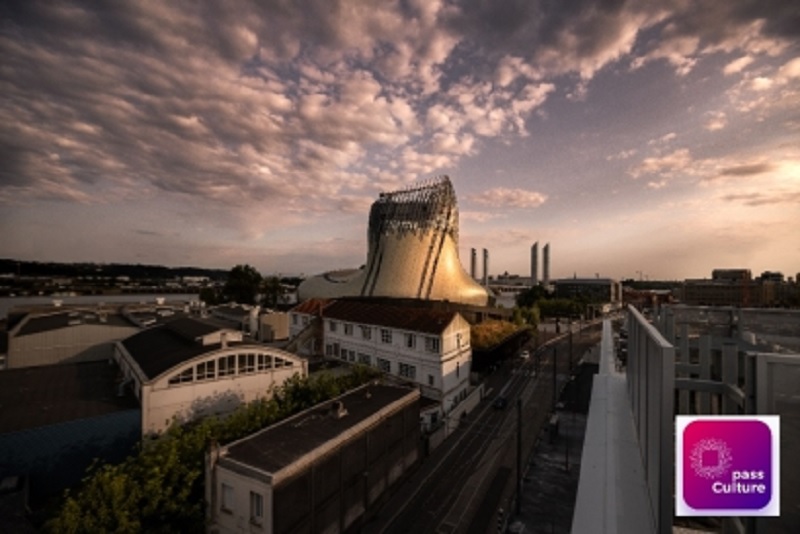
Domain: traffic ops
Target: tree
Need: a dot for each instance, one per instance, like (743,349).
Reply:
(242,285)
(271,289)
(160,488)
(531,296)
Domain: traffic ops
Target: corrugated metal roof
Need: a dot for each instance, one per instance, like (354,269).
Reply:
(284,443)
(45,395)
(55,321)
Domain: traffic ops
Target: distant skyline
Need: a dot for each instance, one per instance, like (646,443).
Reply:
(660,138)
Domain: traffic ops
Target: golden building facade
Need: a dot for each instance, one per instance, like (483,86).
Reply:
(412,251)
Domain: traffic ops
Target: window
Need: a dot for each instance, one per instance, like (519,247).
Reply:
(348,329)
(264,362)
(410,341)
(294,320)
(408,371)
(227,365)
(386,336)
(328,349)
(256,508)
(430,380)
(366,332)
(384,365)
(352,356)
(205,370)
(364,358)
(332,326)
(184,376)
(305,320)
(226,502)
(432,344)
(247,363)
(458,369)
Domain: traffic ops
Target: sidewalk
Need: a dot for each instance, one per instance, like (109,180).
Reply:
(550,484)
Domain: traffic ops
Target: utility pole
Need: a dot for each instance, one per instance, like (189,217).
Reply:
(570,346)
(555,379)
(519,456)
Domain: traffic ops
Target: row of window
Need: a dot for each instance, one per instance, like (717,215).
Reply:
(228,503)
(227,366)
(403,369)
(387,336)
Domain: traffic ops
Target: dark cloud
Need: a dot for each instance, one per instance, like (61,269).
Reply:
(764,199)
(748,170)
(269,102)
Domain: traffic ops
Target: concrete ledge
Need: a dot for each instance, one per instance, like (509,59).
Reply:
(612,491)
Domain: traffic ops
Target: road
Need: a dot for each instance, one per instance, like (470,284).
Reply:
(449,491)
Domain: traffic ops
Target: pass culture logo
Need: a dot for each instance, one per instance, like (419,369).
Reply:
(727,465)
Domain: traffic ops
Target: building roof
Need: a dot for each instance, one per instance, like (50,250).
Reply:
(311,306)
(413,319)
(66,319)
(45,395)
(280,445)
(587,281)
(236,310)
(162,347)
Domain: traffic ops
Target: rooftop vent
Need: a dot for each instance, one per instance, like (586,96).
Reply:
(338,410)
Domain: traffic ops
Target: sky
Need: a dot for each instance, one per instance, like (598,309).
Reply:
(656,139)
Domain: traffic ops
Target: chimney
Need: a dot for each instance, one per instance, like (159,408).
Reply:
(223,339)
(546,264)
(485,268)
(473,264)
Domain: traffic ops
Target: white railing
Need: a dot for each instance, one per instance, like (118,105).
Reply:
(651,385)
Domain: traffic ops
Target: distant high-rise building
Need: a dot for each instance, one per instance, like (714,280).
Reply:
(473,264)
(485,268)
(546,264)
(535,264)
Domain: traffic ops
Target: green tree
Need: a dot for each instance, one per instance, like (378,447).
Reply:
(160,488)
(242,285)
(531,296)
(271,289)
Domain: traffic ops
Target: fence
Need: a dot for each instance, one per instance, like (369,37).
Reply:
(650,377)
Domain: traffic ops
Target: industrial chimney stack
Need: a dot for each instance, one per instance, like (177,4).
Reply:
(546,264)
(485,268)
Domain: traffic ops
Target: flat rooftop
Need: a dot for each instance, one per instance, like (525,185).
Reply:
(46,395)
(280,445)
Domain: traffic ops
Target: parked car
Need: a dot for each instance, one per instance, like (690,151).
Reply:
(524,354)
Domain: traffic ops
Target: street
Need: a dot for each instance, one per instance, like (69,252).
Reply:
(449,491)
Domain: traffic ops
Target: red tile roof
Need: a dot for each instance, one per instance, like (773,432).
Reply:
(312,306)
(401,317)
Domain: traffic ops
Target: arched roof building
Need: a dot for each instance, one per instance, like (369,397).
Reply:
(188,368)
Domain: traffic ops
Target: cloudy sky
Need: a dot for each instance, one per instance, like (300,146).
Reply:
(659,139)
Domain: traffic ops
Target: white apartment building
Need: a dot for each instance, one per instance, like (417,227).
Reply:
(188,368)
(430,348)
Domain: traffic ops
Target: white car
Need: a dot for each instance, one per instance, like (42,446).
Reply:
(524,354)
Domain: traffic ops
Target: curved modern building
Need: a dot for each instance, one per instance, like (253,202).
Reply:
(412,251)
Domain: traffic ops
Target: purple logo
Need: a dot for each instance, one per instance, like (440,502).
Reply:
(726,464)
